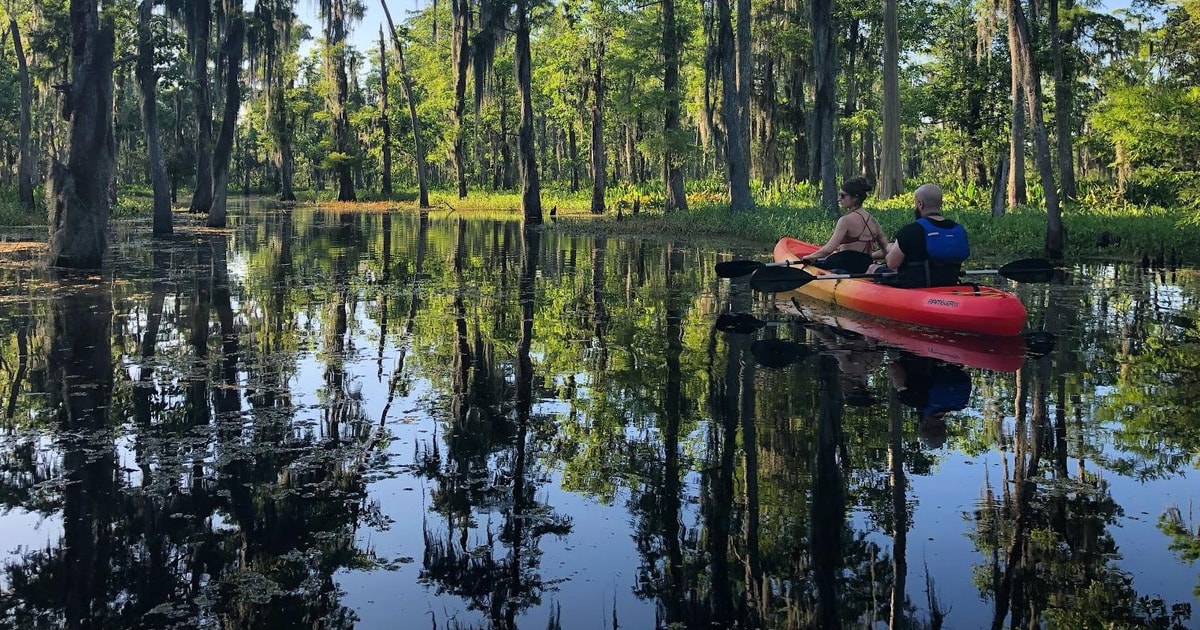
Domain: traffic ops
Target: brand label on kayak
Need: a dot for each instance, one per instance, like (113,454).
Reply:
(941,302)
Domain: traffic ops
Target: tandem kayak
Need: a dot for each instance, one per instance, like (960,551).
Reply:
(988,352)
(968,308)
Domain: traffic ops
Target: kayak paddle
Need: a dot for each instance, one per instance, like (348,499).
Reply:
(780,279)
(838,260)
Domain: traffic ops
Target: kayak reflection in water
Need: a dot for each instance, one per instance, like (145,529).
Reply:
(934,388)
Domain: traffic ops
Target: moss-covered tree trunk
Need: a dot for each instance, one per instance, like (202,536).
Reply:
(1055,233)
(531,190)
(1062,42)
(199,25)
(599,158)
(385,124)
(147,79)
(672,160)
(733,51)
(460,51)
(1016,143)
(825,62)
(25,161)
(891,173)
(414,120)
(231,53)
(78,192)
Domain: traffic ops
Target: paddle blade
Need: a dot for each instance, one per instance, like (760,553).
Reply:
(778,353)
(737,268)
(738,323)
(848,261)
(779,279)
(1031,270)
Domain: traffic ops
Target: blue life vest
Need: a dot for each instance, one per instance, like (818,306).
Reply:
(950,390)
(945,245)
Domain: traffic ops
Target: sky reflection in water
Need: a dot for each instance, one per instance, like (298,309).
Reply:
(365,421)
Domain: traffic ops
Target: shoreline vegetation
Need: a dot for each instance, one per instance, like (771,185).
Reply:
(1113,232)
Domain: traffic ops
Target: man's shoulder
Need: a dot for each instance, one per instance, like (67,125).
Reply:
(943,223)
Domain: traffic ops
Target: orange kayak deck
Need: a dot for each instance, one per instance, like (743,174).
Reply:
(963,308)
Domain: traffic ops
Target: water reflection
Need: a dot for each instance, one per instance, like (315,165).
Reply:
(339,420)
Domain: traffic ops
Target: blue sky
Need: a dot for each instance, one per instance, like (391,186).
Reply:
(365,33)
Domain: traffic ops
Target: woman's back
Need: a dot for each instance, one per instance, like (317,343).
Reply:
(862,231)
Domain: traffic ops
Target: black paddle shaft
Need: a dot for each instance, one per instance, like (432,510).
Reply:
(849,260)
(782,279)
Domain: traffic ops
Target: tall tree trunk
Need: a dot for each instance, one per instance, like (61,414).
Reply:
(231,53)
(148,82)
(599,159)
(335,39)
(735,111)
(573,155)
(25,161)
(1000,185)
(531,191)
(869,159)
(414,120)
(825,60)
(385,123)
(768,122)
(78,193)
(287,158)
(1055,234)
(273,43)
(506,169)
(745,75)
(461,11)
(1016,152)
(199,27)
(1062,44)
(891,174)
(672,167)
(798,117)
(853,42)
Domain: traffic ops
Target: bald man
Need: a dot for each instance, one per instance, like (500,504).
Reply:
(928,252)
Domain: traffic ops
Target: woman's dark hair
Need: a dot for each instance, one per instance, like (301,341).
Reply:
(857,187)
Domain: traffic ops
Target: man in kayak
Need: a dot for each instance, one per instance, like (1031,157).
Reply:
(928,252)
(934,388)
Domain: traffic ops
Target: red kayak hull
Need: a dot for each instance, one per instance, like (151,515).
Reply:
(964,308)
(988,352)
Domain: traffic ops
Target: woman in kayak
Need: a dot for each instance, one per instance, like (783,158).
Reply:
(856,230)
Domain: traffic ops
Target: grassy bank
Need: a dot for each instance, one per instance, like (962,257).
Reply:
(1021,233)
(1133,230)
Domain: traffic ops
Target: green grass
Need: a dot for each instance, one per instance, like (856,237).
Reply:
(791,211)
(12,215)
(1017,234)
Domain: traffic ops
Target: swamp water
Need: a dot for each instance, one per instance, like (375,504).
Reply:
(328,420)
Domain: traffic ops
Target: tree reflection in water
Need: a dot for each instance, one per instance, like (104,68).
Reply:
(490,469)
(216,433)
(230,515)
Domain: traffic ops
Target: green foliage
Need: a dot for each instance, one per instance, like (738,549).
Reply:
(11,212)
(793,211)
